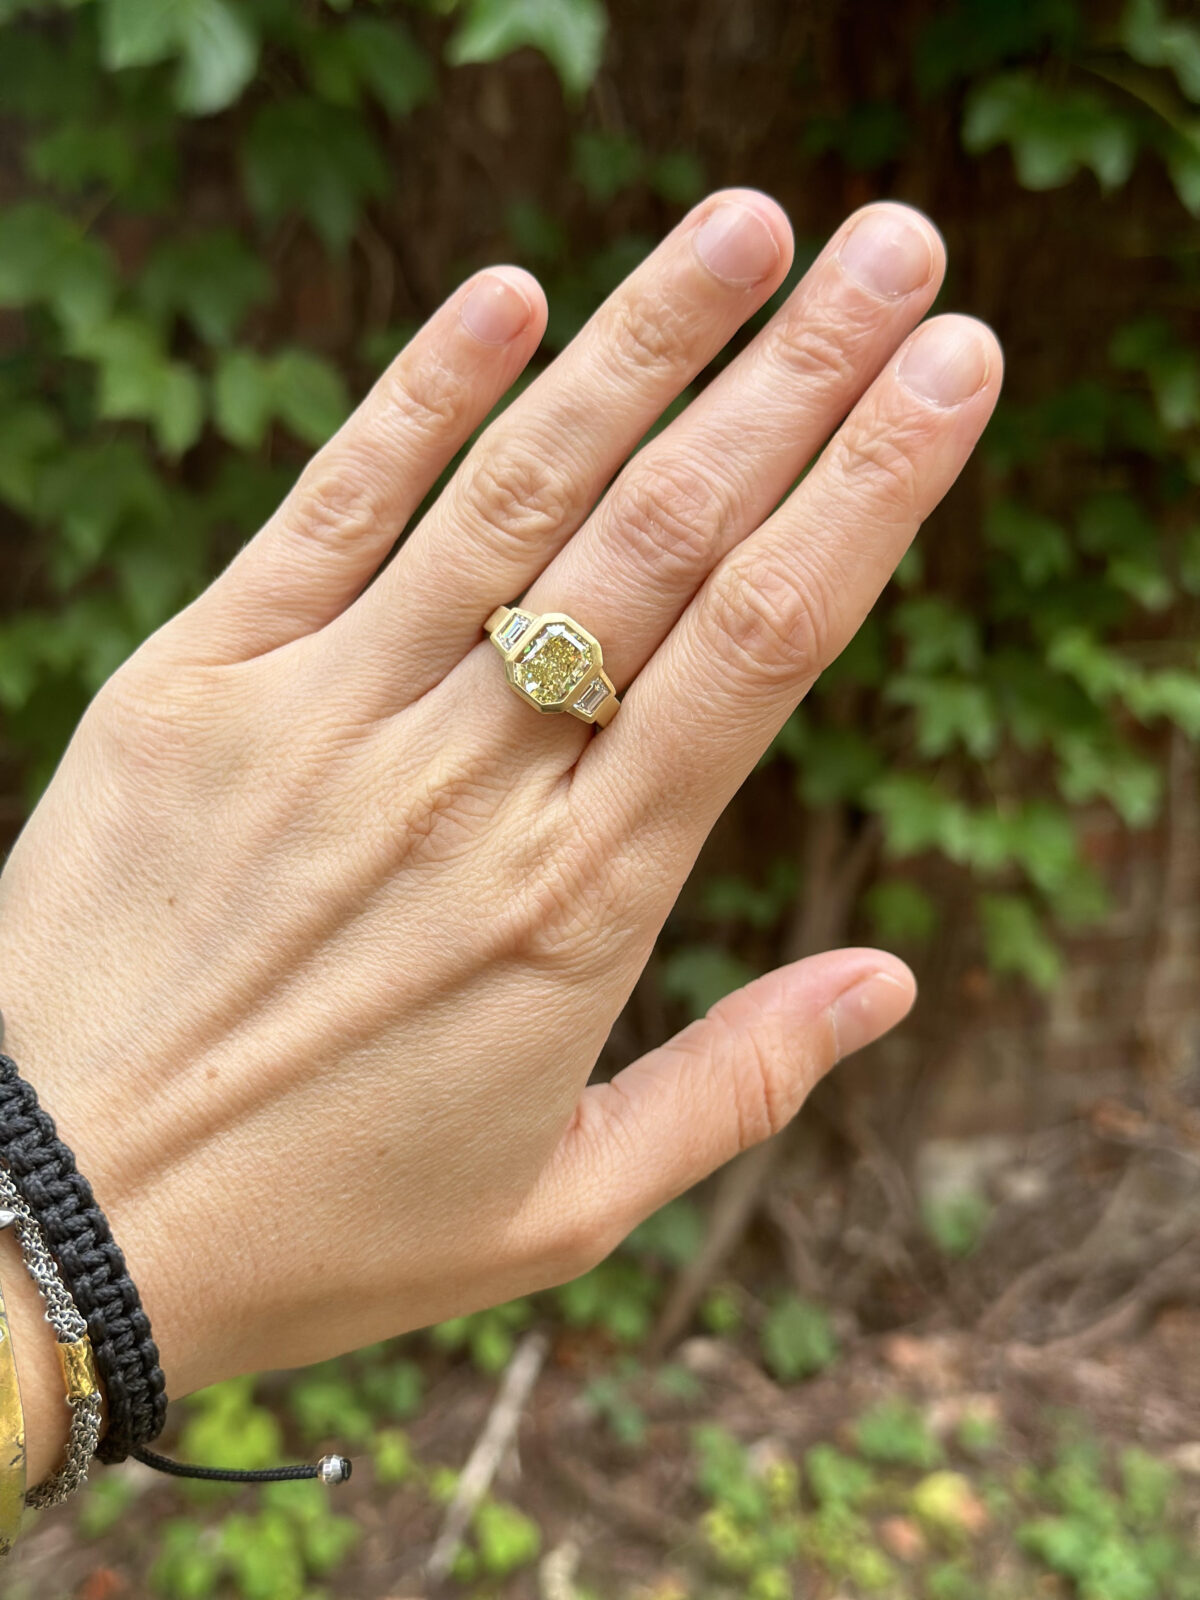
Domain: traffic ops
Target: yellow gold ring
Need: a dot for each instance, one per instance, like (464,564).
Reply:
(553,663)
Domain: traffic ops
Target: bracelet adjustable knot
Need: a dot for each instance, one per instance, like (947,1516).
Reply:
(82,1275)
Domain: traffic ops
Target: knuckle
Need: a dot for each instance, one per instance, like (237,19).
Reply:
(774,628)
(442,811)
(649,334)
(335,503)
(428,396)
(153,718)
(815,349)
(881,464)
(516,496)
(582,1241)
(765,1098)
(576,898)
(668,515)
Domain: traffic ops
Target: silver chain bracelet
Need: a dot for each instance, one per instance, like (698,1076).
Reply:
(73,1346)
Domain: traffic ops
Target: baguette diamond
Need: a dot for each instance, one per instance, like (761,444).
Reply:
(594,695)
(512,630)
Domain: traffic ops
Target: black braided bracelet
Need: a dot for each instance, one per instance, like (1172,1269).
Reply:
(61,1199)
(94,1270)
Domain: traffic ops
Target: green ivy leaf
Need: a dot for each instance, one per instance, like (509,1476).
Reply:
(569,33)
(46,260)
(303,391)
(391,63)
(30,436)
(314,159)
(700,975)
(1156,40)
(219,57)
(213,279)
(242,398)
(948,714)
(678,177)
(900,912)
(1091,768)
(1016,941)
(309,395)
(605,164)
(137,381)
(1117,528)
(834,764)
(1151,345)
(92,494)
(867,136)
(1171,694)
(1036,544)
(137,33)
(938,635)
(1099,671)
(1052,132)
(216,50)
(1181,153)
(797,1339)
(728,897)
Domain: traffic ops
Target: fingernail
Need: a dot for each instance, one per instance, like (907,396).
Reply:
(867,1010)
(887,254)
(945,363)
(494,311)
(736,245)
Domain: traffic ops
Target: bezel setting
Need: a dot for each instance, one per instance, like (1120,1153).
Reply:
(553,663)
(545,634)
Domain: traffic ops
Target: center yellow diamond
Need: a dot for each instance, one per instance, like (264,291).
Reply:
(551,664)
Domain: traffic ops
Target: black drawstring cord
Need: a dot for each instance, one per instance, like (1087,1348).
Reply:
(329,1469)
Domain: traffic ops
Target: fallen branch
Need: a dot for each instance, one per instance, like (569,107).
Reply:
(491,1447)
(1175,1275)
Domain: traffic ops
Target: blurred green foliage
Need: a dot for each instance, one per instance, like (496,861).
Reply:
(1108,1529)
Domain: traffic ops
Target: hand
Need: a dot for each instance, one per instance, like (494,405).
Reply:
(314,939)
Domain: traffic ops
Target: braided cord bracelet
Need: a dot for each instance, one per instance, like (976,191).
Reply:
(73,1346)
(61,1199)
(61,1202)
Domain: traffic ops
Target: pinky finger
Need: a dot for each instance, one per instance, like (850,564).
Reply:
(337,526)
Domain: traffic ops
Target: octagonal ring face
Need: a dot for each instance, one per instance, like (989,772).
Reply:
(550,660)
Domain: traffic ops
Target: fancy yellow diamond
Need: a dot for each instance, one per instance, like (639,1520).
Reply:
(551,664)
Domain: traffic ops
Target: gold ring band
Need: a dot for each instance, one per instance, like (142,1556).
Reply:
(553,663)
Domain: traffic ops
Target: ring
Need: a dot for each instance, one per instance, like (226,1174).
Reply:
(553,663)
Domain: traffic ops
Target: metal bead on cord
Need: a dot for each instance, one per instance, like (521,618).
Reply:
(69,1326)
